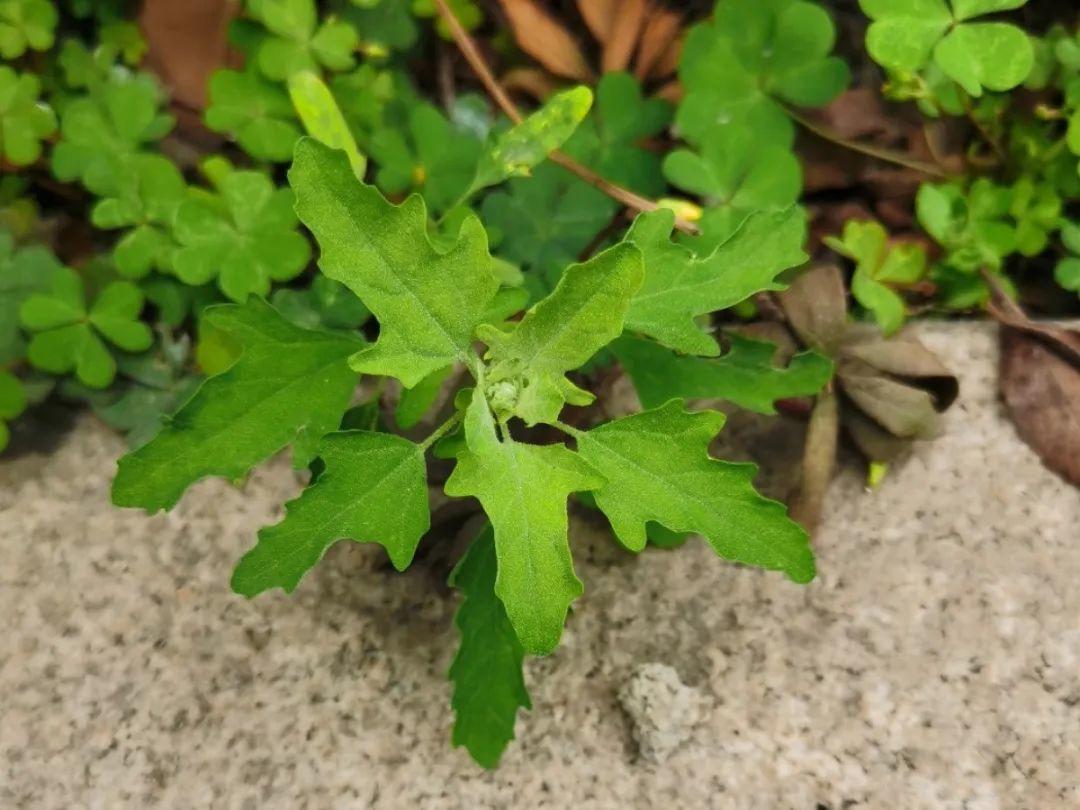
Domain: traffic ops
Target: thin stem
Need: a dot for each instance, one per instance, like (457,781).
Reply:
(569,430)
(886,155)
(441,431)
(476,61)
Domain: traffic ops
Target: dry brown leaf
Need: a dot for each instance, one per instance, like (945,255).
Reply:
(669,62)
(660,34)
(816,307)
(599,15)
(187,43)
(542,37)
(819,459)
(671,92)
(1041,389)
(624,35)
(533,82)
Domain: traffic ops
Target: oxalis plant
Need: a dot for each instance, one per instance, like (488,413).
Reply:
(438,307)
(426,284)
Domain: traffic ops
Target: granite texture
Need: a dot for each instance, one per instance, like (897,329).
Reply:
(935,663)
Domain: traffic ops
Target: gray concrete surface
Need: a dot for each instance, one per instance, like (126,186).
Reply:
(933,664)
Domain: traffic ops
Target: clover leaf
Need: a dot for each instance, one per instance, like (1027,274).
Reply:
(751,59)
(299,41)
(326,304)
(255,112)
(24,121)
(26,25)
(1067,270)
(610,139)
(244,236)
(23,272)
(735,175)
(542,223)
(147,191)
(12,403)
(383,24)
(971,226)
(907,34)
(428,155)
(879,266)
(68,336)
(102,131)
(1036,207)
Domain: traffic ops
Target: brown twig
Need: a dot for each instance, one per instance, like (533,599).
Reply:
(476,60)
(878,153)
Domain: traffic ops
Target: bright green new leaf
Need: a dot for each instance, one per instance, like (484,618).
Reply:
(322,118)
(102,131)
(26,25)
(428,303)
(69,337)
(373,488)
(906,34)
(745,375)
(523,488)
(23,272)
(879,266)
(658,468)
(257,113)
(299,41)
(750,60)
(972,226)
(245,238)
(680,286)
(585,312)
(289,385)
(24,121)
(516,151)
(489,686)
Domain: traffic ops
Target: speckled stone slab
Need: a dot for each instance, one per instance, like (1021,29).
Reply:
(935,663)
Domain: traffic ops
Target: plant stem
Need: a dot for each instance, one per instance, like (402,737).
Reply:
(476,61)
(441,431)
(886,155)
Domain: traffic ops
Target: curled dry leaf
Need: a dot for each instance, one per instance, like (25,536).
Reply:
(1041,388)
(545,39)
(893,390)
